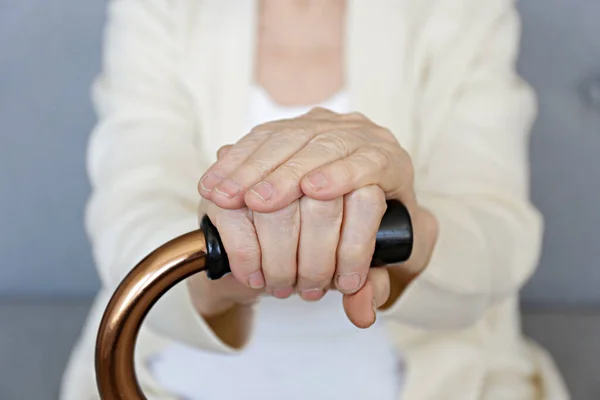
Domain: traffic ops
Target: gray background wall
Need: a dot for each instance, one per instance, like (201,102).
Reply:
(50,51)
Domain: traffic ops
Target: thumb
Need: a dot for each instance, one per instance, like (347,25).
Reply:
(360,306)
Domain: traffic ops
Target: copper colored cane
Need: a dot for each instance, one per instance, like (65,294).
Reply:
(176,260)
(150,279)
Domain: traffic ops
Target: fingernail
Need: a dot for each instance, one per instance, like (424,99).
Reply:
(256,280)
(317,180)
(228,188)
(312,294)
(348,282)
(264,190)
(282,293)
(209,181)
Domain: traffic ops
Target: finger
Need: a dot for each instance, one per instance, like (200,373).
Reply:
(285,140)
(282,185)
(240,241)
(361,306)
(278,235)
(386,166)
(319,237)
(363,210)
(228,160)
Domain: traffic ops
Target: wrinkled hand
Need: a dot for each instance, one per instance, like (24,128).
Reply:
(299,204)
(321,154)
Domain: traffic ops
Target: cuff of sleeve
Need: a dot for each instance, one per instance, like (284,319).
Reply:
(427,305)
(175,317)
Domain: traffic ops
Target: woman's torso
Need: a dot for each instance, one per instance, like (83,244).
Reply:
(465,361)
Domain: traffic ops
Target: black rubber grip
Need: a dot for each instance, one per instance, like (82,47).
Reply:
(394,241)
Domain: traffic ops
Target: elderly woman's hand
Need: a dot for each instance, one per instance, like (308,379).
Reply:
(316,186)
(321,154)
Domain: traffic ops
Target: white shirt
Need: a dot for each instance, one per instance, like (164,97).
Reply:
(299,350)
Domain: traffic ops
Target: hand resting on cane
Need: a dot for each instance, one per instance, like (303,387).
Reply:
(298,203)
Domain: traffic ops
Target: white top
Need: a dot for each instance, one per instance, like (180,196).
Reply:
(299,350)
(439,74)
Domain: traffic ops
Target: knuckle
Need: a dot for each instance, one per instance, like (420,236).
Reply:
(227,219)
(292,169)
(316,111)
(370,200)
(223,150)
(284,134)
(264,128)
(384,159)
(245,256)
(283,224)
(303,131)
(355,254)
(322,211)
(287,217)
(370,196)
(384,134)
(345,171)
(355,116)
(336,141)
(380,158)
(262,167)
(235,154)
(294,133)
(237,232)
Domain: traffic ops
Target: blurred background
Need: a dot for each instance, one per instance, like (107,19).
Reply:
(49,53)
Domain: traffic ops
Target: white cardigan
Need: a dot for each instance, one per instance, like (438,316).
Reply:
(438,73)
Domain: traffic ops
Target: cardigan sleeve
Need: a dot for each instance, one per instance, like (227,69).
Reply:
(473,177)
(142,161)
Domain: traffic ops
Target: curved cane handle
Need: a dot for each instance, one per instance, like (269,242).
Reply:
(137,293)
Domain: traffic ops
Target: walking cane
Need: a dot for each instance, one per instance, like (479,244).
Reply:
(194,252)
